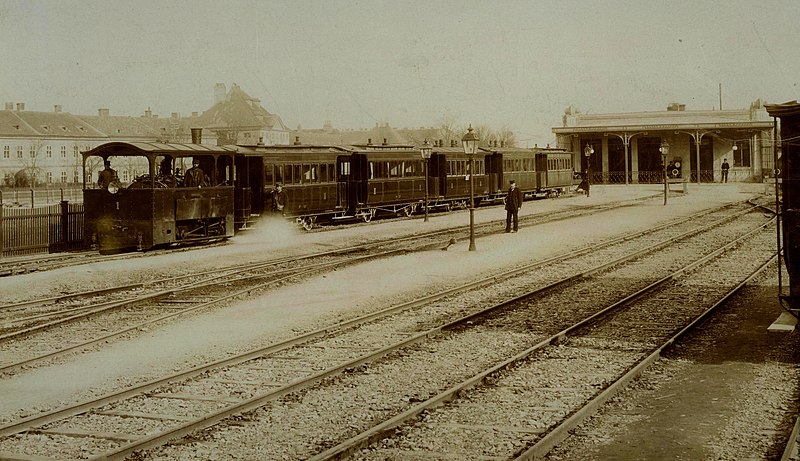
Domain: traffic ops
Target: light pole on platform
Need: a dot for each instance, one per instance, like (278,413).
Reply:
(470,143)
(588,151)
(664,149)
(425,150)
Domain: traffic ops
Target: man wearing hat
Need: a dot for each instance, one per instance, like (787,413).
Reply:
(513,204)
(107,175)
(194,175)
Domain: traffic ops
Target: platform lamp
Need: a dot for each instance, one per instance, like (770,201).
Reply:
(588,151)
(425,150)
(470,143)
(664,149)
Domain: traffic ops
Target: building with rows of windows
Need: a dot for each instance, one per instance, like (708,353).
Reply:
(43,148)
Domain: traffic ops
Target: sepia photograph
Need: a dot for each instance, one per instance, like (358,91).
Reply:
(404,230)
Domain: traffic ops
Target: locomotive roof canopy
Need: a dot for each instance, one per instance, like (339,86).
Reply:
(154,148)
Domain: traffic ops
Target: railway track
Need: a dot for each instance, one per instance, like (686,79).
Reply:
(283,370)
(45,262)
(84,319)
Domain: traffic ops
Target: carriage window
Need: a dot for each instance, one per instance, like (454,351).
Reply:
(297,177)
(279,176)
(410,168)
(307,173)
(394,169)
(268,173)
(344,168)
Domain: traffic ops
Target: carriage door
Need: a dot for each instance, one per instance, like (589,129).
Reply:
(494,171)
(438,173)
(343,176)
(541,171)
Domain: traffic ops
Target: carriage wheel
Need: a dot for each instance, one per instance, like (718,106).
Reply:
(367,217)
(407,211)
(308,223)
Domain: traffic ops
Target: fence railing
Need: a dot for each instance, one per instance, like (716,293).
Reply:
(655,177)
(16,197)
(47,229)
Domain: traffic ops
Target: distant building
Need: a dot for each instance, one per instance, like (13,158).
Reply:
(238,118)
(44,147)
(699,141)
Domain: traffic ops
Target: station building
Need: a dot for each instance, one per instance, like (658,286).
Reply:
(626,148)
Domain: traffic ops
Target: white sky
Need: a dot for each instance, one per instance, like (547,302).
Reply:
(505,64)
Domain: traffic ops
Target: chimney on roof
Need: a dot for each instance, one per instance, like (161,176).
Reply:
(384,141)
(197,135)
(297,140)
(194,114)
(453,143)
(219,93)
(676,107)
(9,106)
(57,108)
(103,112)
(20,106)
(369,141)
(441,143)
(175,115)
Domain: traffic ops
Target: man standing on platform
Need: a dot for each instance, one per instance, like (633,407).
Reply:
(513,204)
(725,167)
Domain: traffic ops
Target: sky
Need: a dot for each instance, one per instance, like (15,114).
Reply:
(504,64)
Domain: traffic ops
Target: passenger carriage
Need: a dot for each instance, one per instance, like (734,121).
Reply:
(315,179)
(450,170)
(149,206)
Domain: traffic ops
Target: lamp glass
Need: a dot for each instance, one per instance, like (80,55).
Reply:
(426,150)
(470,142)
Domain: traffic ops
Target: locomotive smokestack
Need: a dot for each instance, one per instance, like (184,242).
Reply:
(197,135)
(297,140)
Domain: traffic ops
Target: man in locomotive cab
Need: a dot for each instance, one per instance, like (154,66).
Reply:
(165,175)
(107,175)
(195,177)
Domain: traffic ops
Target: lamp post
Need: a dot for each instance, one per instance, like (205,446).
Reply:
(588,151)
(425,150)
(664,149)
(470,143)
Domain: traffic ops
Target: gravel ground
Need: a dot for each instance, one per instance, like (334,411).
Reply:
(343,294)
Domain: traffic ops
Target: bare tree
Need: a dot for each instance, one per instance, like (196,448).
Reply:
(30,169)
(506,137)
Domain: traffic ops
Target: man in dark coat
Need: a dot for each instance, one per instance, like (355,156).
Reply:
(107,175)
(278,198)
(194,175)
(725,167)
(513,204)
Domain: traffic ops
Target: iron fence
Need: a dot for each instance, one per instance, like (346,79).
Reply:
(656,177)
(47,229)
